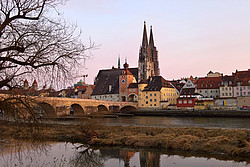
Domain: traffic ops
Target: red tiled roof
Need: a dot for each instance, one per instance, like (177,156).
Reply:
(243,77)
(209,83)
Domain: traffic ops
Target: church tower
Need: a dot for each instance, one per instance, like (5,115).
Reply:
(154,54)
(125,78)
(148,64)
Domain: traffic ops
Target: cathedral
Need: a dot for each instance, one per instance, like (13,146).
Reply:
(121,84)
(148,64)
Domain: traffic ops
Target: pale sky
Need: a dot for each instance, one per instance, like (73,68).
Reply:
(192,36)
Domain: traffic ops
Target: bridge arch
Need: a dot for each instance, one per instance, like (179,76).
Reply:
(128,108)
(76,110)
(44,109)
(102,108)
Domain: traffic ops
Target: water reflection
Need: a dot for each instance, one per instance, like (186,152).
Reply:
(24,153)
(87,157)
(150,159)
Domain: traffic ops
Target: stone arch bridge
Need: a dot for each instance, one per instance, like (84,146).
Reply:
(77,107)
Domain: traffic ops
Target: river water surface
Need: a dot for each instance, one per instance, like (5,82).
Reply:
(23,153)
(206,122)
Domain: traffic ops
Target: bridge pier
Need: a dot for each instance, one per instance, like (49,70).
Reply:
(114,108)
(91,109)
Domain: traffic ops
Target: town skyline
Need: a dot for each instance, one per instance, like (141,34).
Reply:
(192,37)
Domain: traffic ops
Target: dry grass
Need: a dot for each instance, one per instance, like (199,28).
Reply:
(229,141)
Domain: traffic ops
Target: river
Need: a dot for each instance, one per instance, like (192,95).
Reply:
(21,153)
(162,121)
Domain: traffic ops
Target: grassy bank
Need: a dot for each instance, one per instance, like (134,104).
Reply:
(232,142)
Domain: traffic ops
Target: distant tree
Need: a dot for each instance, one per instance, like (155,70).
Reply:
(35,41)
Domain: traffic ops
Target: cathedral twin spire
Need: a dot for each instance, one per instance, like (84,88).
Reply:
(145,37)
(148,65)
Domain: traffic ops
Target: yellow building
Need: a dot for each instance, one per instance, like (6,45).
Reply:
(204,104)
(158,93)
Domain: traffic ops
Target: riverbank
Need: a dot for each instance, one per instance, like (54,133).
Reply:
(193,113)
(232,142)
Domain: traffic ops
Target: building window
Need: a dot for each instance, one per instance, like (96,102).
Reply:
(155,94)
(146,97)
(226,94)
(150,100)
(150,94)
(150,104)
(155,100)
(244,93)
(222,94)
(223,89)
(237,93)
(185,101)
(130,90)
(190,101)
(180,101)
(134,90)
(142,104)
(237,88)
(146,102)
(154,104)
(211,85)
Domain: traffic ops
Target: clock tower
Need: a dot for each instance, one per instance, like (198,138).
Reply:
(125,78)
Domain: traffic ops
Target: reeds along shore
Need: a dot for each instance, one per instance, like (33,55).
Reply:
(233,142)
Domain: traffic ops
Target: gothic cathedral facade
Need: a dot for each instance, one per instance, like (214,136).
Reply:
(148,64)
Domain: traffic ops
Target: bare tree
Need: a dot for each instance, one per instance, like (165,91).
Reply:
(35,41)
(32,42)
